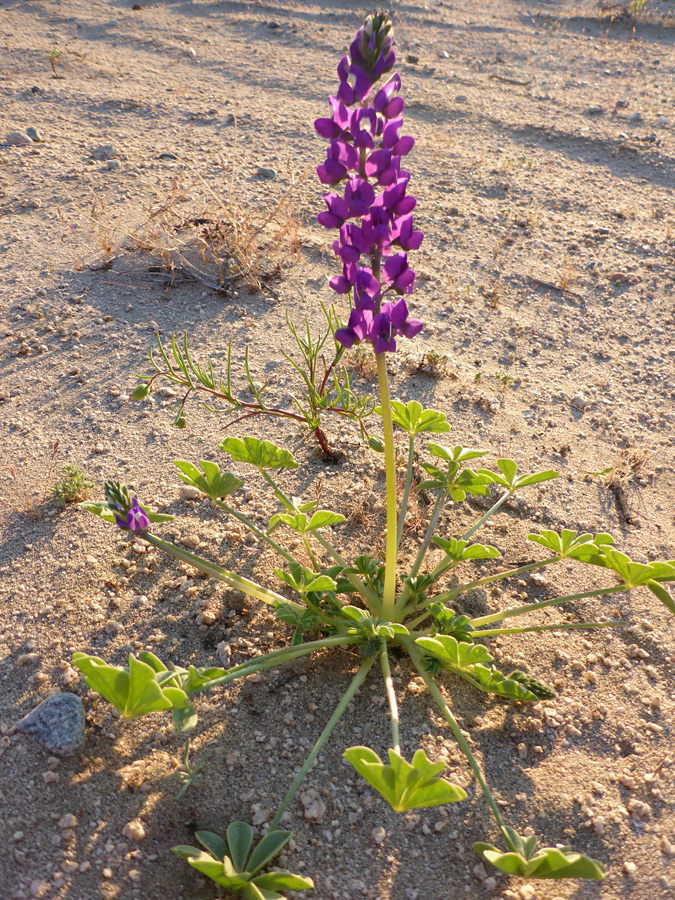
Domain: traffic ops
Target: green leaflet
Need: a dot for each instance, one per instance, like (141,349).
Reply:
(213,482)
(458,550)
(548,863)
(415,420)
(261,454)
(404,786)
(134,690)
(240,871)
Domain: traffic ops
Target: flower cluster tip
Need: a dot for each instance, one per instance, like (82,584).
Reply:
(373,214)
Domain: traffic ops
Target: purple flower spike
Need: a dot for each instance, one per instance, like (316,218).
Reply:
(366,146)
(137,518)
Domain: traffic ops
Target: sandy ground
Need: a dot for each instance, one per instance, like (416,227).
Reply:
(544,172)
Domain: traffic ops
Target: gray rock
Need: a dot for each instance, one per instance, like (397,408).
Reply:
(635,119)
(18,139)
(34,135)
(114,164)
(662,122)
(595,110)
(103,153)
(57,723)
(263,172)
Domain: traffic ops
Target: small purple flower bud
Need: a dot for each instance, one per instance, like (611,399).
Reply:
(137,518)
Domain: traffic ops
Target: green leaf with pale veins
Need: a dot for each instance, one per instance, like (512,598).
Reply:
(404,785)
(261,454)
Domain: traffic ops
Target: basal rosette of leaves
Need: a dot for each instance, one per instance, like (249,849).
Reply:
(366,603)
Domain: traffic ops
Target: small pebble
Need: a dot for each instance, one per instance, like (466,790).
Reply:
(114,164)
(104,153)
(264,172)
(629,868)
(68,821)
(57,723)
(134,830)
(18,139)
(34,135)
(379,834)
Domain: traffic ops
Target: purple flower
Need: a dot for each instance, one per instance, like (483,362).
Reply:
(337,212)
(397,275)
(136,518)
(366,146)
(357,328)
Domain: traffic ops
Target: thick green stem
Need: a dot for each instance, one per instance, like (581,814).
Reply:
(530,607)
(238,582)
(389,596)
(391,697)
(357,681)
(493,509)
(277,658)
(415,656)
(406,492)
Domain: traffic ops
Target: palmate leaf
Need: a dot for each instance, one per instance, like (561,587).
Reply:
(415,420)
(303,580)
(261,454)
(213,482)
(546,863)
(472,661)
(572,545)
(456,455)
(133,690)
(507,478)
(458,550)
(240,872)
(405,786)
(460,655)
(298,521)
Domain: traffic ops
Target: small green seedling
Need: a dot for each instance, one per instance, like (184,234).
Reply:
(72,487)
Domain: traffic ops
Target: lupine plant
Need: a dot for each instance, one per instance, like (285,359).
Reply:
(369,603)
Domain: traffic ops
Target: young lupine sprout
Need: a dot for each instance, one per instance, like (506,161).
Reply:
(365,603)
